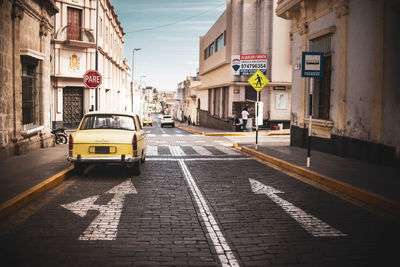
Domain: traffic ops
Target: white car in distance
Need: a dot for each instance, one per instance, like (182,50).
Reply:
(167,120)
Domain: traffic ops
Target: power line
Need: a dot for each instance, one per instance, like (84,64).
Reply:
(172,23)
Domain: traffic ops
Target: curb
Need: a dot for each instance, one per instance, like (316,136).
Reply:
(347,189)
(277,133)
(34,192)
(210,134)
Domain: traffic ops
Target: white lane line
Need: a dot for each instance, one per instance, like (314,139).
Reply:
(201,151)
(182,142)
(311,224)
(227,150)
(176,151)
(165,135)
(161,142)
(152,151)
(200,141)
(197,159)
(180,135)
(224,252)
(151,135)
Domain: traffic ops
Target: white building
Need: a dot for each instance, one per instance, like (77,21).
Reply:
(247,27)
(356,104)
(74,52)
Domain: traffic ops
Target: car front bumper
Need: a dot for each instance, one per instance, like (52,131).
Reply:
(114,159)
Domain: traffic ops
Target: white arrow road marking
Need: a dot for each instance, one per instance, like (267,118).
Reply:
(313,225)
(222,248)
(105,225)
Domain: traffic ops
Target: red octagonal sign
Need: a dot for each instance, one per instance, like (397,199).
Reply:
(92,79)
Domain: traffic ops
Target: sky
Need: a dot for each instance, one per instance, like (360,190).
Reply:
(168,33)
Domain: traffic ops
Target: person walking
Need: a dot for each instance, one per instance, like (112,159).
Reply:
(245,116)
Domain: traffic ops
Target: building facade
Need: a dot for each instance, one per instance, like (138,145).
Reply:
(25,89)
(356,104)
(74,52)
(247,27)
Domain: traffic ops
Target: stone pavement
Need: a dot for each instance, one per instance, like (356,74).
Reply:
(21,173)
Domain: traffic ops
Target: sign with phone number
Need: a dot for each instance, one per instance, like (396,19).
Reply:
(248,64)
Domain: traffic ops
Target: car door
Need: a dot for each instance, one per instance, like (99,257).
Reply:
(141,136)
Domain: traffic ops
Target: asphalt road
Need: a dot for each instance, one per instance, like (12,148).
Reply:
(196,203)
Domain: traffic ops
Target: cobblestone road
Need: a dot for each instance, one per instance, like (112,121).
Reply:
(194,205)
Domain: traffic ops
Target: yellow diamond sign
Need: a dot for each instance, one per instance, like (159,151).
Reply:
(258,80)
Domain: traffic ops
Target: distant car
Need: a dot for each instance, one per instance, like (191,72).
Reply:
(167,120)
(159,116)
(108,138)
(147,121)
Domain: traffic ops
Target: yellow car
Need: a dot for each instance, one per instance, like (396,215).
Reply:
(108,138)
(147,121)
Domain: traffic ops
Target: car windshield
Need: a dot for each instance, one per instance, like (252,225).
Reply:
(104,121)
(167,117)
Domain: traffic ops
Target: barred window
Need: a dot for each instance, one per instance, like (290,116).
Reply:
(31,88)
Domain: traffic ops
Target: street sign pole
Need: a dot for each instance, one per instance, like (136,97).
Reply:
(312,67)
(311,81)
(258,99)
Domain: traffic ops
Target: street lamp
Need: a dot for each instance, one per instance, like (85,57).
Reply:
(133,61)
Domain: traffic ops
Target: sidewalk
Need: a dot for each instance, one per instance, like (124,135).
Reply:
(33,169)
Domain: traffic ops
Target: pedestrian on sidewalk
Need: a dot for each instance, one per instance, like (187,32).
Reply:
(245,116)
(189,120)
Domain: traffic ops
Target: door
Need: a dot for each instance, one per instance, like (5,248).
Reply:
(72,106)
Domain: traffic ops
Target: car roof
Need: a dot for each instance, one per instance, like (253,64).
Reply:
(123,113)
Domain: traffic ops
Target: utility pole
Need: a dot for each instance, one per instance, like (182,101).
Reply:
(97,53)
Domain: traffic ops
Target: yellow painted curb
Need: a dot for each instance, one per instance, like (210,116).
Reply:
(190,130)
(224,134)
(235,145)
(277,133)
(22,199)
(210,134)
(352,191)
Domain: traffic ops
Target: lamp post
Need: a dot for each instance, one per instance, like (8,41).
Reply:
(133,62)
(133,78)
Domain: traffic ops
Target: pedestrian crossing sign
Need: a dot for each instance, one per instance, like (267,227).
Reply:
(258,81)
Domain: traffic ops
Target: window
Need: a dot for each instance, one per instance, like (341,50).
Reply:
(322,86)
(108,122)
(219,42)
(211,49)
(31,84)
(74,17)
(225,97)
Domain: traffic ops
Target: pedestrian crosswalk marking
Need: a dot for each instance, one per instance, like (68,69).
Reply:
(152,151)
(165,135)
(201,150)
(177,151)
(227,150)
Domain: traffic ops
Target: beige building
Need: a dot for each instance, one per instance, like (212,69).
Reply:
(74,53)
(356,105)
(247,27)
(25,94)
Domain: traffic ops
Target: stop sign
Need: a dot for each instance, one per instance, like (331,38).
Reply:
(92,79)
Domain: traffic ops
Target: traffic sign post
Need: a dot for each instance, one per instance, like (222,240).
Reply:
(312,63)
(258,80)
(92,79)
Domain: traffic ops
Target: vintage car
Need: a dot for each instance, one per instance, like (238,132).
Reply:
(108,138)
(147,121)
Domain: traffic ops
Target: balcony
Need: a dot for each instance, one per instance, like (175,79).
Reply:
(289,8)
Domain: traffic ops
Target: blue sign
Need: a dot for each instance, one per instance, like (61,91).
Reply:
(312,63)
